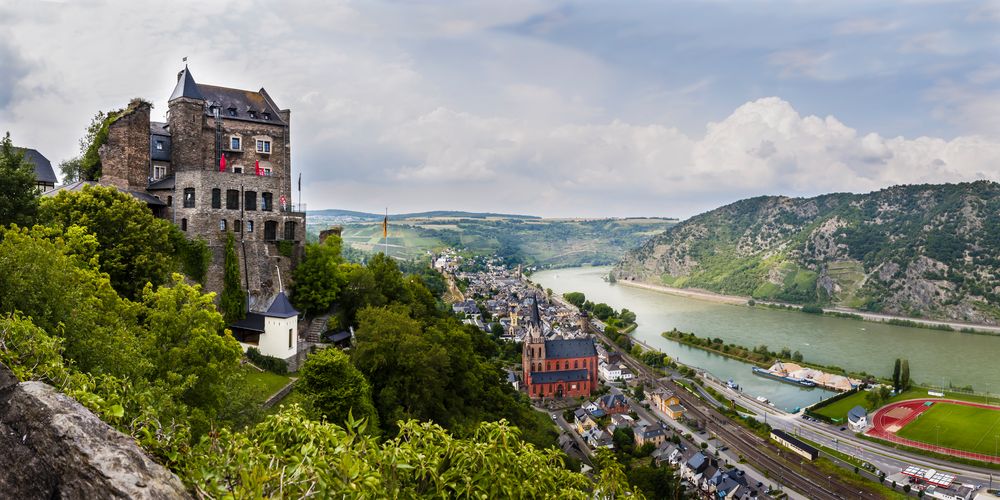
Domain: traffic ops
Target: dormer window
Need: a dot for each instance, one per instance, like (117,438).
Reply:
(253,114)
(232,111)
(214,111)
(264,146)
(267,116)
(159,145)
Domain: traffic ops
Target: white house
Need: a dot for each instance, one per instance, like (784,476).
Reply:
(273,332)
(857,418)
(614,372)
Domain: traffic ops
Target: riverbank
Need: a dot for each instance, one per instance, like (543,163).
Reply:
(832,311)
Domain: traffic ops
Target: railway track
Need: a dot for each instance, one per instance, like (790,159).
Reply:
(804,478)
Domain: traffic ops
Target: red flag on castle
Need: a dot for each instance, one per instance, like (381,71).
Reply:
(256,167)
(222,163)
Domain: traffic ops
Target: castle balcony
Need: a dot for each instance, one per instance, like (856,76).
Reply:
(293,208)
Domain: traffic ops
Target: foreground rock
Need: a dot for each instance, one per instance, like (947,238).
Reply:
(53,447)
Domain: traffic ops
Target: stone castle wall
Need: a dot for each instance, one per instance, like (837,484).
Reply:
(125,155)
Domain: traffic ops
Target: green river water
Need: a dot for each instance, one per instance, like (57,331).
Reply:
(936,357)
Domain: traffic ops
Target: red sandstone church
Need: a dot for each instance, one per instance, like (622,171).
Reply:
(557,368)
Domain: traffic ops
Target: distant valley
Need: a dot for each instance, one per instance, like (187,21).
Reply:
(522,239)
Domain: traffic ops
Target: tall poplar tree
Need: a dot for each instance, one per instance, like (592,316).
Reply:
(18,195)
(895,375)
(234,298)
(904,376)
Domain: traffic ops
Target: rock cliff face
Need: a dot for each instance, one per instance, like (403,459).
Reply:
(53,447)
(927,251)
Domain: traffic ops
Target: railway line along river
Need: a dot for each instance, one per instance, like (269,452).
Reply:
(936,357)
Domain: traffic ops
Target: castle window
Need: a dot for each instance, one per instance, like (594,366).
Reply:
(266,201)
(289,338)
(188,197)
(237,226)
(232,111)
(253,114)
(263,146)
(159,145)
(270,230)
(249,226)
(290,230)
(159,171)
(184,224)
(237,170)
(235,143)
(170,201)
(232,199)
(222,224)
(267,116)
(216,198)
(250,200)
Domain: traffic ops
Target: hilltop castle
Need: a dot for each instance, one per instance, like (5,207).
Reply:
(220,164)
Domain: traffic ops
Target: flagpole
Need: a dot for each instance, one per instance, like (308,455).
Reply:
(385,233)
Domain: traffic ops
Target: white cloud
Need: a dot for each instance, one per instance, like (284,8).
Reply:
(865,26)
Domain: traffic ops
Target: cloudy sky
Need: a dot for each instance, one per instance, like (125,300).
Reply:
(557,109)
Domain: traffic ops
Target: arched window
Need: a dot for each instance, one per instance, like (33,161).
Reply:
(576,364)
(290,230)
(216,198)
(270,230)
(184,224)
(222,224)
(237,226)
(188,197)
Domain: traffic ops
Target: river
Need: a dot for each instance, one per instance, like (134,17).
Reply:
(936,357)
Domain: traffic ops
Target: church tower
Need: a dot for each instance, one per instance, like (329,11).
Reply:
(533,353)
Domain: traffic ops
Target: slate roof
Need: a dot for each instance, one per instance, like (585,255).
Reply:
(79,185)
(158,128)
(569,348)
(698,462)
(164,183)
(856,413)
(43,167)
(254,322)
(558,376)
(535,318)
(281,307)
(612,400)
(186,87)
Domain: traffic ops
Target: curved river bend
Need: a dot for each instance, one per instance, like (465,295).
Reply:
(936,357)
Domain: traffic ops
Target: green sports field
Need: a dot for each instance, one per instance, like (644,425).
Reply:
(955,426)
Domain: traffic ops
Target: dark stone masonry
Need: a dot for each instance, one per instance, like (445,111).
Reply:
(220,164)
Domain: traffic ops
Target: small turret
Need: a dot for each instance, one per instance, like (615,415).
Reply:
(186,87)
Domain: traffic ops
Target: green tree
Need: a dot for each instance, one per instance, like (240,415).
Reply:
(135,247)
(188,347)
(575,298)
(895,375)
(336,389)
(904,375)
(233,301)
(18,194)
(603,311)
(626,317)
(318,278)
(51,276)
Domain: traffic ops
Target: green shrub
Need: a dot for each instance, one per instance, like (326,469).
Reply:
(269,363)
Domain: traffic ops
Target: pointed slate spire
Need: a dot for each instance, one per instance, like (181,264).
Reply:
(536,318)
(186,86)
(281,307)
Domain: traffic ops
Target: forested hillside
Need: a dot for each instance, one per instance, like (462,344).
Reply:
(924,251)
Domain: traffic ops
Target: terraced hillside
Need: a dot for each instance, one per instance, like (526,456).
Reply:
(924,251)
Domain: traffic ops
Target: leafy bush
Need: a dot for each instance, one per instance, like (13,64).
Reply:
(269,363)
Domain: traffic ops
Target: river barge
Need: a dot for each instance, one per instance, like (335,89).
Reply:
(788,380)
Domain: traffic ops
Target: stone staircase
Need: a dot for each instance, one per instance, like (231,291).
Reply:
(316,328)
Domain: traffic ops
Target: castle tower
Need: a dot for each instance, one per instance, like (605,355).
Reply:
(185,119)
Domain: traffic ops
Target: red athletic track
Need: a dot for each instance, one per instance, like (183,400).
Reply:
(881,422)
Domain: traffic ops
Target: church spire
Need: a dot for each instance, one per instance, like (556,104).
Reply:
(186,87)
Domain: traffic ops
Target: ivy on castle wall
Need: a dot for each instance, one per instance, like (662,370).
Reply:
(90,163)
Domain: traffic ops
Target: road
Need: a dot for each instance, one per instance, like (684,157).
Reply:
(886,459)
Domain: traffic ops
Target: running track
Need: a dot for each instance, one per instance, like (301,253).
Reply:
(884,426)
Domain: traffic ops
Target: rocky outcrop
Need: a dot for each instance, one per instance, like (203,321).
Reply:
(53,447)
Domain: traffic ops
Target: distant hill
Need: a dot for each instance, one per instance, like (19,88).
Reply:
(927,250)
(519,239)
(333,212)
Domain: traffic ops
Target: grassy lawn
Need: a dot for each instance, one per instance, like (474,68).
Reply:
(956,426)
(921,393)
(269,383)
(838,409)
